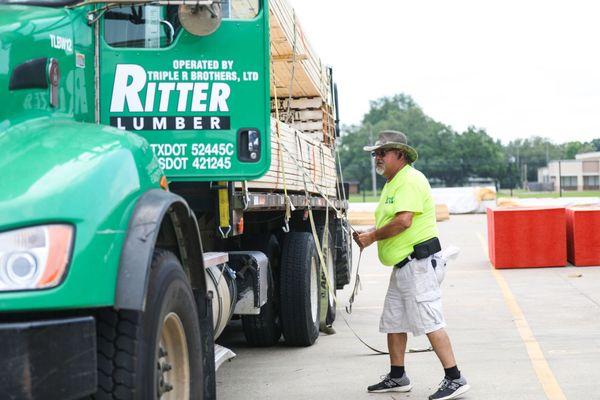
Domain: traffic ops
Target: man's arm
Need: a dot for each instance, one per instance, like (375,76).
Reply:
(401,222)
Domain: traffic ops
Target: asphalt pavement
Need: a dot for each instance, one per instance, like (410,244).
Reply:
(525,334)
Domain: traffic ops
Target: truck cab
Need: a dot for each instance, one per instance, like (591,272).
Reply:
(145,202)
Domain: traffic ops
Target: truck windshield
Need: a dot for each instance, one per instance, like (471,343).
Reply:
(145,26)
(45,3)
(235,9)
(240,9)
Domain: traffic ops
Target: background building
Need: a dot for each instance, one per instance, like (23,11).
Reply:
(583,173)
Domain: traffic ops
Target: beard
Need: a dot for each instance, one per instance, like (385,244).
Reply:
(379,169)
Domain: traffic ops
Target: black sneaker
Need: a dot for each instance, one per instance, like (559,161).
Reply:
(451,389)
(391,385)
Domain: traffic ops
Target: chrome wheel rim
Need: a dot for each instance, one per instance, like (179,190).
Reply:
(173,365)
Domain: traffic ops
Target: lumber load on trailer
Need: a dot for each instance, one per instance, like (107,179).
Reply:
(297,70)
(302,112)
(301,85)
(310,115)
(301,160)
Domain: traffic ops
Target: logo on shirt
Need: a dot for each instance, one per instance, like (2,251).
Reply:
(389,200)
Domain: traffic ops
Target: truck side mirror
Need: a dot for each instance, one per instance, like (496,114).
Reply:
(169,31)
(201,19)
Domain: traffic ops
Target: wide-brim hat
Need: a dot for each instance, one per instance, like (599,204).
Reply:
(394,140)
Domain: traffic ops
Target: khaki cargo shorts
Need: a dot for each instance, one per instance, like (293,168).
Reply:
(413,302)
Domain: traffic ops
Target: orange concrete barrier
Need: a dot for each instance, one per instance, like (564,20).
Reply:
(524,237)
(583,236)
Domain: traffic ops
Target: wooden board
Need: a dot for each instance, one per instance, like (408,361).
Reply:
(299,159)
(297,71)
(311,115)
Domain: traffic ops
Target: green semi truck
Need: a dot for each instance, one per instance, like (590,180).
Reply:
(150,193)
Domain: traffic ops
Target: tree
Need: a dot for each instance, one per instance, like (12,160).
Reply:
(434,141)
(446,155)
(534,152)
(482,156)
(596,144)
(571,149)
(356,163)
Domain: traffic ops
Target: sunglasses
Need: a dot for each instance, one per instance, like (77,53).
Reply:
(380,152)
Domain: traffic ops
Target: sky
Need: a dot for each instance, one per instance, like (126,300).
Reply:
(514,68)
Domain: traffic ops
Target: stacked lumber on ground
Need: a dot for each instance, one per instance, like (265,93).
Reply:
(367,217)
(299,80)
(361,217)
(292,152)
(442,212)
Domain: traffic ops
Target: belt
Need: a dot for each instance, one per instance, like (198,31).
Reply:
(421,250)
(405,261)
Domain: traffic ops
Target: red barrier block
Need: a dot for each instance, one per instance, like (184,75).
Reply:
(583,236)
(524,237)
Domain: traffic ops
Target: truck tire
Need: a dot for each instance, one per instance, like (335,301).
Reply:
(264,330)
(328,303)
(156,353)
(299,294)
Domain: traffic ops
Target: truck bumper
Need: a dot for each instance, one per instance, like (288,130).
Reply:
(50,359)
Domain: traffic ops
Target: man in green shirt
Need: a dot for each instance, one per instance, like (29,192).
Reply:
(406,235)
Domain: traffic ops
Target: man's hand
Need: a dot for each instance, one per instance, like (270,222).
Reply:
(355,235)
(364,239)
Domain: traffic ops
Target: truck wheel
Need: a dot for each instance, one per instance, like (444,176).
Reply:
(328,304)
(264,330)
(300,279)
(155,354)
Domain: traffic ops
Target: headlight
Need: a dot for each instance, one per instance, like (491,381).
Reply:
(34,258)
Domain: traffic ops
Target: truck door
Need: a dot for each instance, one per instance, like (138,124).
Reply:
(201,101)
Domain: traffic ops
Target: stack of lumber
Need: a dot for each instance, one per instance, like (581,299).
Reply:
(299,80)
(364,214)
(297,70)
(310,115)
(442,212)
(361,217)
(292,152)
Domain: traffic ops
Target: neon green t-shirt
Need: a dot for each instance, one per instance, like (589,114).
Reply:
(409,190)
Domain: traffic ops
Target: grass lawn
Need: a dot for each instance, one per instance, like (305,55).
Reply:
(525,194)
(369,198)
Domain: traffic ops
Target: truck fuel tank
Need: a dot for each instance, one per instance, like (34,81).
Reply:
(220,280)
(239,282)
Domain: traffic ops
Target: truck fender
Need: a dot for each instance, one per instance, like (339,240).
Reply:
(144,226)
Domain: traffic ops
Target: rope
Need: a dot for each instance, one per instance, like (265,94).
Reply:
(357,284)
(281,146)
(289,106)
(288,212)
(349,311)
(313,228)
